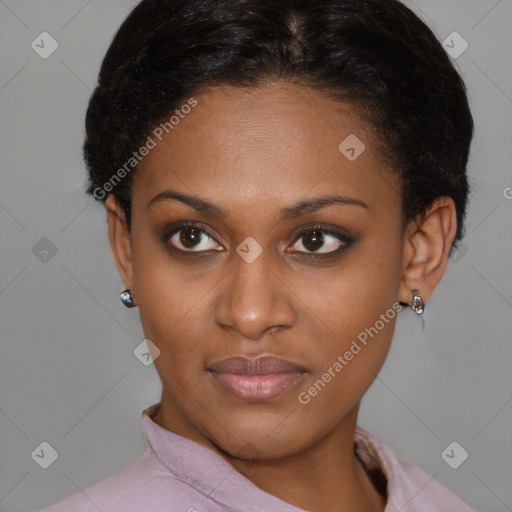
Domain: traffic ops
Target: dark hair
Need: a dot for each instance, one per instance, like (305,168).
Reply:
(375,54)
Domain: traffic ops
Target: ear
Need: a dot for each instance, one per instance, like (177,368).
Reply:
(427,245)
(120,241)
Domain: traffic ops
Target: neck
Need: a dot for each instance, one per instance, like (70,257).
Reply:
(325,476)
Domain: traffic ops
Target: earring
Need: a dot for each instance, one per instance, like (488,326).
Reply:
(417,303)
(127,298)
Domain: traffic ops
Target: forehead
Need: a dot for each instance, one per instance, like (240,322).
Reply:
(263,147)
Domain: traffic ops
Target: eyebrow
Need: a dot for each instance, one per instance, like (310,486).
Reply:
(290,212)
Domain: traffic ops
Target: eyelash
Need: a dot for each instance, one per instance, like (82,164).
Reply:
(346,241)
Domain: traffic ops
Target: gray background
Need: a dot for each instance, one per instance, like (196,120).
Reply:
(68,375)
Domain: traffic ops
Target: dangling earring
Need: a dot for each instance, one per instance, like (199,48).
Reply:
(417,303)
(127,298)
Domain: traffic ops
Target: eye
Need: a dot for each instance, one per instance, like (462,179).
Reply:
(318,240)
(191,238)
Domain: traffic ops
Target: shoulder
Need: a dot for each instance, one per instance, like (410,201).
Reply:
(422,492)
(145,485)
(409,488)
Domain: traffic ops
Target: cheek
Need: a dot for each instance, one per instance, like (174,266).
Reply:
(360,318)
(164,294)
(352,296)
(355,311)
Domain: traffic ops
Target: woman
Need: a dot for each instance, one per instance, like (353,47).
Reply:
(280,178)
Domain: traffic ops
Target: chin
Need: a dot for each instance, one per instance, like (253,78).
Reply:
(260,436)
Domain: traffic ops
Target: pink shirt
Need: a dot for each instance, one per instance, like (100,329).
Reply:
(177,474)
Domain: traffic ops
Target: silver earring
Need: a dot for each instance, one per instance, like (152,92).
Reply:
(127,298)
(417,303)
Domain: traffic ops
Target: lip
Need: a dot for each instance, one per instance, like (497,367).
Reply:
(256,379)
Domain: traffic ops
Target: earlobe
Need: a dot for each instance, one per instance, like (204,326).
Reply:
(427,244)
(120,242)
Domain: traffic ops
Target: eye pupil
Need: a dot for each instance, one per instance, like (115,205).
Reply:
(190,236)
(313,240)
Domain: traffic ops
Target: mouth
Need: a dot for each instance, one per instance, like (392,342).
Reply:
(259,379)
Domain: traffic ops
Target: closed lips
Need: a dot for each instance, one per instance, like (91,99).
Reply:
(256,379)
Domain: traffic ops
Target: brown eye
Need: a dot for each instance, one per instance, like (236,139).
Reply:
(191,238)
(320,241)
(313,240)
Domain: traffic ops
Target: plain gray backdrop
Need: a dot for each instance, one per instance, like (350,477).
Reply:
(68,374)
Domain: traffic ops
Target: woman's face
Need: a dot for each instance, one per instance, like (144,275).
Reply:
(267,267)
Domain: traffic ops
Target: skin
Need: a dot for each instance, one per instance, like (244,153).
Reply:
(254,152)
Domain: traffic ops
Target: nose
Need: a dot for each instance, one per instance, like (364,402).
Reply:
(254,300)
